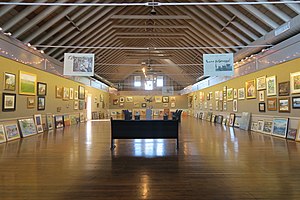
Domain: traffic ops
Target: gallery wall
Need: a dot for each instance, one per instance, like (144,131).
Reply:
(52,104)
(282,73)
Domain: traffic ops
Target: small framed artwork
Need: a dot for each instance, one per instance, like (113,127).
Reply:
(296,102)
(291,134)
(165,105)
(235,105)
(101,98)
(27,127)
(76,94)
(284,104)
(262,107)
(30,102)
(129,99)
(224,105)
(298,134)
(122,99)
(12,132)
(271,86)
(115,101)
(261,95)
(284,88)
(250,89)
(38,123)
(8,102)
(136,104)
(81,92)
(217,105)
(231,119)
(81,105)
(172,99)
(41,103)
(9,81)
(207,97)
(2,134)
(280,127)
(76,105)
(295,82)
(71,93)
(272,104)
(217,95)
(254,126)
(173,104)
(241,93)
(261,83)
(27,83)
(58,92)
(268,127)
(165,99)
(229,94)
(157,99)
(221,95)
(235,93)
(260,125)
(41,89)
(144,105)
(121,105)
(66,93)
(59,121)
(49,121)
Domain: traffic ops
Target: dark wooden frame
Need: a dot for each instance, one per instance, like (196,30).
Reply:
(260,108)
(144,129)
(38,103)
(295,107)
(286,88)
(289,104)
(38,87)
(3,102)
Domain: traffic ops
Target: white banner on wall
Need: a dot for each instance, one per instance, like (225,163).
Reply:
(78,64)
(218,64)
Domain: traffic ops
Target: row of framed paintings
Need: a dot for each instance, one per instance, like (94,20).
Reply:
(277,127)
(157,99)
(282,104)
(25,127)
(9,102)
(66,93)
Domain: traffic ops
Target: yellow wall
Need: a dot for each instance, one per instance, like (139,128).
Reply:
(52,103)
(282,73)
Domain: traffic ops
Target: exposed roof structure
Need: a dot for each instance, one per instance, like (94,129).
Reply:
(168,38)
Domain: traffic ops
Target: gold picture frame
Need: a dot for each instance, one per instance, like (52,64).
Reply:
(250,89)
(27,83)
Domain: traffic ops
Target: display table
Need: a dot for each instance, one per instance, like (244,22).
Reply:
(144,129)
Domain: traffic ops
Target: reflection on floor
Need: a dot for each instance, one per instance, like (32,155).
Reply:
(213,162)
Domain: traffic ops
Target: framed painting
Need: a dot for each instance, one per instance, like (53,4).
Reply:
(41,89)
(30,102)
(59,121)
(261,107)
(76,105)
(298,133)
(76,94)
(231,119)
(260,125)
(250,89)
(296,102)
(261,83)
(122,99)
(81,105)
(268,127)
(217,105)
(71,93)
(144,105)
(224,105)
(2,134)
(241,93)
(235,93)
(129,99)
(158,99)
(81,92)
(49,121)
(172,99)
(280,127)
(261,95)
(12,132)
(284,88)
(66,93)
(41,103)
(291,134)
(27,83)
(295,82)
(136,104)
(67,120)
(207,97)
(58,92)
(235,105)
(101,97)
(217,96)
(165,105)
(271,86)
(229,94)
(38,123)
(272,104)
(121,105)
(115,101)
(27,127)
(173,105)
(9,81)
(284,104)
(220,95)
(8,102)
(165,99)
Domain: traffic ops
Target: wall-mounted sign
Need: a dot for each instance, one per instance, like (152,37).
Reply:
(218,64)
(78,64)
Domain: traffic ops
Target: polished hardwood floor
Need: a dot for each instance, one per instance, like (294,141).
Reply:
(213,162)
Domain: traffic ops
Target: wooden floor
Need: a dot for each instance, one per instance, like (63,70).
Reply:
(213,162)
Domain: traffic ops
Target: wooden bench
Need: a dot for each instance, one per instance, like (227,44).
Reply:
(144,129)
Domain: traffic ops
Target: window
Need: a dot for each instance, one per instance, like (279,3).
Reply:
(149,85)
(137,81)
(160,81)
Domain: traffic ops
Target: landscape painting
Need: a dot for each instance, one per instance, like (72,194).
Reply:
(280,127)
(27,83)
(27,127)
